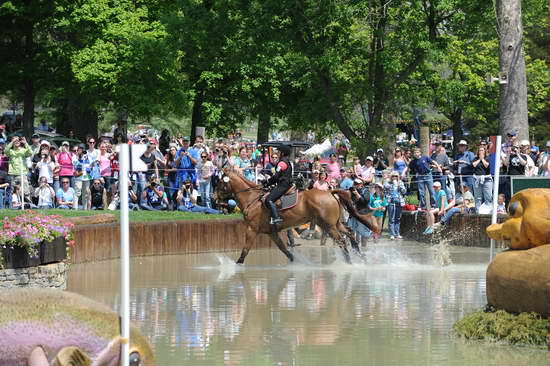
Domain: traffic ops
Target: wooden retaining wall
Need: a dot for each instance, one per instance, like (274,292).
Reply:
(465,230)
(102,241)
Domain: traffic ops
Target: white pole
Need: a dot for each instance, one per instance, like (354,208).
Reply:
(495,192)
(124,254)
(22,185)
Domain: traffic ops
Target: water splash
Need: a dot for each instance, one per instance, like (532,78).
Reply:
(227,267)
(300,258)
(441,253)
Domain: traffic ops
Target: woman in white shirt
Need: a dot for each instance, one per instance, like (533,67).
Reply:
(45,194)
(45,168)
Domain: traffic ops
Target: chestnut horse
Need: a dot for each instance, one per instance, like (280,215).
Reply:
(321,207)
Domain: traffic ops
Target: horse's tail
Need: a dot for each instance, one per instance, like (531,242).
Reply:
(345,199)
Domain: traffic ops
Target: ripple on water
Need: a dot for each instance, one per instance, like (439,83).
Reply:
(396,309)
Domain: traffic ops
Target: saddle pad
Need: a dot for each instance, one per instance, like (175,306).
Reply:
(287,201)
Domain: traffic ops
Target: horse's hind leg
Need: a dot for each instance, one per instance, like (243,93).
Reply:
(281,245)
(337,237)
(351,235)
(249,241)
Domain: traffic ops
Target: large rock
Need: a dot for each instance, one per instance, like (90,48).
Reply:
(519,281)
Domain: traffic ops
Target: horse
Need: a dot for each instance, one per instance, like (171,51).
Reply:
(321,207)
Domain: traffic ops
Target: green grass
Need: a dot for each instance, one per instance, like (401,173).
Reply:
(527,329)
(135,216)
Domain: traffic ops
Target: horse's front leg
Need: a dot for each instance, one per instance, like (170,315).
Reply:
(281,245)
(249,241)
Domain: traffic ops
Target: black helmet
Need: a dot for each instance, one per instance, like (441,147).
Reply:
(284,150)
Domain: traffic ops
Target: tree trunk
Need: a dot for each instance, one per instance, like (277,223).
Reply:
(456,119)
(264,124)
(28,80)
(196,117)
(513,95)
(77,114)
(28,106)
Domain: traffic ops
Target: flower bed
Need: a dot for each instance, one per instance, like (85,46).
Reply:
(31,239)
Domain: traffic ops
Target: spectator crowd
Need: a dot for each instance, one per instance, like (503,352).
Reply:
(183,177)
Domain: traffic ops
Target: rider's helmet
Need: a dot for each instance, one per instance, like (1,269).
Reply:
(284,150)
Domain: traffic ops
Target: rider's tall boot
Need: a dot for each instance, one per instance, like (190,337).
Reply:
(275,218)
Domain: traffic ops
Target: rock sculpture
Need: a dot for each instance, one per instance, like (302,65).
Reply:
(519,280)
(64,328)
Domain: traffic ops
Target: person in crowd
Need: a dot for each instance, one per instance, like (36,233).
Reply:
(153,197)
(368,174)
(243,164)
(98,195)
(53,155)
(82,173)
(343,151)
(5,189)
(449,183)
(186,162)
(45,194)
(516,164)
(395,193)
(483,182)
(333,184)
(400,165)
(164,140)
(378,203)
(45,168)
(91,151)
(15,201)
(501,204)
(333,168)
(66,195)
(544,161)
(35,143)
(18,151)
(322,183)
(346,182)
(104,160)
(65,161)
(357,168)
(187,200)
(530,168)
(463,164)
(464,204)
(43,126)
(439,210)
(442,159)
(200,146)
(171,174)
(511,140)
(4,159)
(421,167)
(316,164)
(380,163)
(361,197)
(205,170)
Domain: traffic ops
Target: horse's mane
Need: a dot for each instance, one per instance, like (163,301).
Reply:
(235,173)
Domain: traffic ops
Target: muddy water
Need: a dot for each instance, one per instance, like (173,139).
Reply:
(398,309)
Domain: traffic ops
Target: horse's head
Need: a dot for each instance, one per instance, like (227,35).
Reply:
(224,190)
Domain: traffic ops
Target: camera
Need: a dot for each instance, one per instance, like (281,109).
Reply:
(153,184)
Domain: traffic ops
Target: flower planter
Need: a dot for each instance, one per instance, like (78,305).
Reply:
(17,257)
(53,251)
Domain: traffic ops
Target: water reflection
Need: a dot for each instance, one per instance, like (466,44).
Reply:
(197,310)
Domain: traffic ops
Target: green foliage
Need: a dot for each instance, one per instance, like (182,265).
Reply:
(522,329)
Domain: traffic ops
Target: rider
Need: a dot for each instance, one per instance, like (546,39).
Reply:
(282,179)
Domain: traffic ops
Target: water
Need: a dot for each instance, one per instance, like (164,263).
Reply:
(398,309)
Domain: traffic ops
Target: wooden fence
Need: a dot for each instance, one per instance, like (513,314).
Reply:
(102,241)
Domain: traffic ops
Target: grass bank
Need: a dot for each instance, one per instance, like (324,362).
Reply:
(135,216)
(525,329)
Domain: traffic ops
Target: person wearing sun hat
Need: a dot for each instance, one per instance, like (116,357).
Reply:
(463,163)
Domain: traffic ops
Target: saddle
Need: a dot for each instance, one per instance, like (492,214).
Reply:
(288,200)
